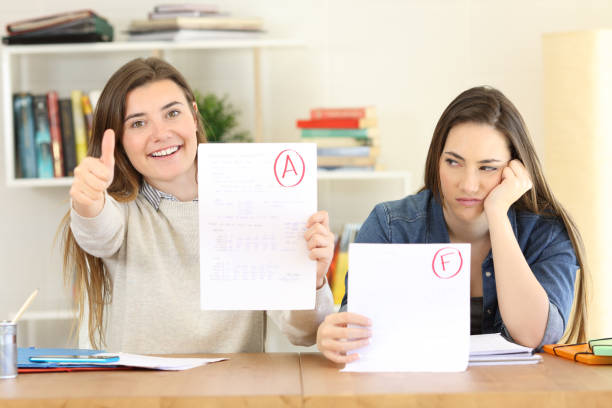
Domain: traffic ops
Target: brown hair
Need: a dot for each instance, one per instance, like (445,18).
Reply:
(489,106)
(87,272)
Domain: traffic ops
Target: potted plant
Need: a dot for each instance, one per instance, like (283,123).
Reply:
(220,119)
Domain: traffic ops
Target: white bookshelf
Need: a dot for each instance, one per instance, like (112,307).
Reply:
(349,196)
(13,80)
(402,176)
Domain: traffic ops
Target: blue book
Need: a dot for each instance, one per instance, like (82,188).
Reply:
(24,136)
(44,155)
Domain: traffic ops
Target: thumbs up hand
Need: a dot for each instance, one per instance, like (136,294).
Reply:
(92,177)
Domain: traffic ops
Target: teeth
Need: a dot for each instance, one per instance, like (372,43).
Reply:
(165,152)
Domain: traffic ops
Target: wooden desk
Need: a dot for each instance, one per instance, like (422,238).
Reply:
(253,380)
(552,383)
(309,380)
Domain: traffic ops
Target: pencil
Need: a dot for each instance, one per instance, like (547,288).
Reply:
(25,305)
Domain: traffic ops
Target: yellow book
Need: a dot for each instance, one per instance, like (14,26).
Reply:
(78,122)
(87,114)
(338,288)
(349,232)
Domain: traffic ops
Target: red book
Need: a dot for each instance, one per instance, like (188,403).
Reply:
(337,123)
(356,113)
(56,134)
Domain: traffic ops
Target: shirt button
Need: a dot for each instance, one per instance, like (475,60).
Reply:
(488,274)
(489,311)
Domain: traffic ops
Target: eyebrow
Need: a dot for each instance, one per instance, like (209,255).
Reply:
(486,161)
(166,106)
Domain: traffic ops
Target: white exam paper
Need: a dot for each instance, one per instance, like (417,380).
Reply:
(254,201)
(418,298)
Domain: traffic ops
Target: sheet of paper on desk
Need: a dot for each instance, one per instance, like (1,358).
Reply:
(254,201)
(162,363)
(417,296)
(155,363)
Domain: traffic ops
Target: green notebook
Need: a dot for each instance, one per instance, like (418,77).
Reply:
(601,347)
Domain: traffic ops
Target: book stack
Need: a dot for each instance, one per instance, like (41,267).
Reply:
(51,133)
(69,27)
(183,22)
(339,264)
(346,138)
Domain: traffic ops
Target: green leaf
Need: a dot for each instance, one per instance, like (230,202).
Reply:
(220,119)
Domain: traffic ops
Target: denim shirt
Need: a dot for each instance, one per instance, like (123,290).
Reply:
(543,240)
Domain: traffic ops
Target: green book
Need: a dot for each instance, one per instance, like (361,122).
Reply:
(601,347)
(89,29)
(354,133)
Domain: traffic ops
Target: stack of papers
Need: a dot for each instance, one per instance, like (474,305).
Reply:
(493,349)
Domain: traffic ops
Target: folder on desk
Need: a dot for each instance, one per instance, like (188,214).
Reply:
(126,361)
(577,352)
(24,365)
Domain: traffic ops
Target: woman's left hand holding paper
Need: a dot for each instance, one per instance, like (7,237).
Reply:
(320,242)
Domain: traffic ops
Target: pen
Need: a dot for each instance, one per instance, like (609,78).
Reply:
(25,305)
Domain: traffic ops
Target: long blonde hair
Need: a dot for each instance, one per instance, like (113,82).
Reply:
(92,283)
(487,105)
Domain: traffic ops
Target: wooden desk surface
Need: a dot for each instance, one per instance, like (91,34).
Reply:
(309,380)
(553,383)
(254,380)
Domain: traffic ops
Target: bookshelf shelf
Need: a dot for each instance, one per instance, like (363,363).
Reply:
(27,183)
(13,79)
(402,176)
(120,46)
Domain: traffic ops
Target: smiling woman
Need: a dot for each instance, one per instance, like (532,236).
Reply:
(132,239)
(484,186)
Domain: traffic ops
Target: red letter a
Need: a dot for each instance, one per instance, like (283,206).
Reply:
(287,163)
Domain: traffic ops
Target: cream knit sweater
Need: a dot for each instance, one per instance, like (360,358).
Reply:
(153,258)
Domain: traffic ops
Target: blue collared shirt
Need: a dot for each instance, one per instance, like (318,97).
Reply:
(544,241)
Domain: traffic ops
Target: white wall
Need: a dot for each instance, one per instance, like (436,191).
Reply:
(409,58)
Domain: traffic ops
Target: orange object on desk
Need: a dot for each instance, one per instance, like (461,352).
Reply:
(577,352)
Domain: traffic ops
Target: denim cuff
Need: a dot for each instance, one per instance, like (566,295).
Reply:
(553,332)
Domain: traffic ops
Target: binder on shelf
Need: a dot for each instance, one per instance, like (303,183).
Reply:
(56,134)
(44,157)
(88,114)
(24,136)
(78,126)
(67,127)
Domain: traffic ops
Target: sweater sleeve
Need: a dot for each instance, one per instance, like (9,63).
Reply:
(102,235)
(300,326)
